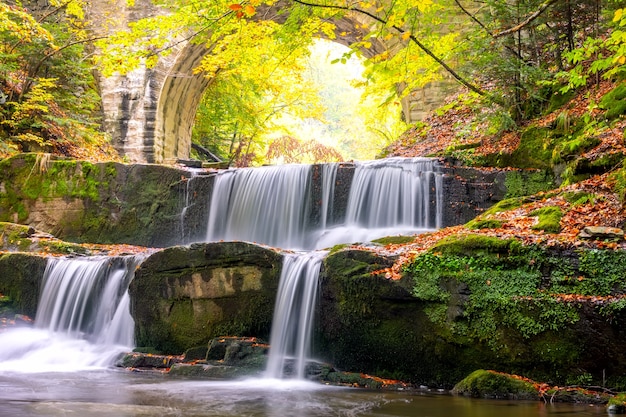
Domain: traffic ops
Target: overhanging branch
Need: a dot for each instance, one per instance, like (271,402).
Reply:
(414,39)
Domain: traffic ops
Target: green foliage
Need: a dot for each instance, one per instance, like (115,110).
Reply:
(47,88)
(604,56)
(525,183)
(504,287)
(580,198)
(549,219)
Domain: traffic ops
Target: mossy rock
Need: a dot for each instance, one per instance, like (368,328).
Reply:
(81,201)
(549,219)
(21,238)
(617,404)
(521,183)
(478,224)
(20,280)
(614,102)
(394,240)
(184,296)
(474,244)
(490,384)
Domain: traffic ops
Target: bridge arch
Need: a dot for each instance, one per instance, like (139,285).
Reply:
(149,113)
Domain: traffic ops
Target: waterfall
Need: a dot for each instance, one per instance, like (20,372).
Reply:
(268,205)
(83,318)
(294,309)
(329,176)
(394,192)
(186,203)
(388,197)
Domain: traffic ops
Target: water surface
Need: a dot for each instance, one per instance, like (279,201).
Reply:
(117,393)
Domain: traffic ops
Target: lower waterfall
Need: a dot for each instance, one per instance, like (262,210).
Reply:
(83,318)
(294,310)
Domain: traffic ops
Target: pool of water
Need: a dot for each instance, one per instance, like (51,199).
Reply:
(125,394)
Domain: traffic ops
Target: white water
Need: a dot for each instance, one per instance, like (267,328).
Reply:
(267,205)
(83,319)
(272,205)
(294,310)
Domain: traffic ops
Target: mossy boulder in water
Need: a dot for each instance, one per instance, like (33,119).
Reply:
(184,296)
(490,384)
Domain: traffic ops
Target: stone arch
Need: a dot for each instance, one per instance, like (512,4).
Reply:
(150,112)
(181,92)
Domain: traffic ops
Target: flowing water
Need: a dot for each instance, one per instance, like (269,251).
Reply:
(293,315)
(123,394)
(61,366)
(83,319)
(273,205)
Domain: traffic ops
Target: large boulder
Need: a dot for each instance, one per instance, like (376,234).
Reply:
(184,296)
(20,282)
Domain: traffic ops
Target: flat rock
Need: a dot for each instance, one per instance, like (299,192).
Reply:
(601,233)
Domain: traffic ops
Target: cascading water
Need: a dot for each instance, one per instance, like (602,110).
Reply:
(273,205)
(388,197)
(393,193)
(267,205)
(83,319)
(292,324)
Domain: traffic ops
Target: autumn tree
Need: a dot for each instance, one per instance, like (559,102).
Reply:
(290,150)
(48,99)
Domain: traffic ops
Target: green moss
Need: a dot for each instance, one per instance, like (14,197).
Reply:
(484,224)
(549,219)
(394,240)
(490,384)
(474,244)
(617,404)
(505,205)
(534,151)
(525,183)
(63,248)
(614,102)
(568,149)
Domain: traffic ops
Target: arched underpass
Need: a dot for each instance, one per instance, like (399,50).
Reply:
(150,112)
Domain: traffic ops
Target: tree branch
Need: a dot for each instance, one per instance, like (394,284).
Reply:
(486,29)
(412,37)
(527,21)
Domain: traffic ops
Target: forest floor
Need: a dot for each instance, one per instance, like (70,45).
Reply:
(605,208)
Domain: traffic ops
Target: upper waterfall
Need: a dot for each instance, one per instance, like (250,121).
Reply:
(279,205)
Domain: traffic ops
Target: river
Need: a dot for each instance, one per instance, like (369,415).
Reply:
(120,393)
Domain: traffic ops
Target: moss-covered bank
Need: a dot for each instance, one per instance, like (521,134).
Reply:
(548,313)
(109,202)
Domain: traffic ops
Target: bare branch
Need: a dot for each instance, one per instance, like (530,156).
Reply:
(527,21)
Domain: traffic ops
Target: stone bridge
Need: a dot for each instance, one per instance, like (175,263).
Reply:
(150,112)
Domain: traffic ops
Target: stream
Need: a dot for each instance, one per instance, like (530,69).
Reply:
(118,393)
